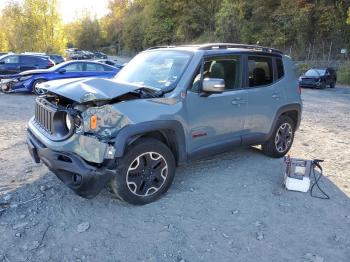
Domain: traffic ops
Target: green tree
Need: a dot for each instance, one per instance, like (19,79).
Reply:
(33,25)
(160,24)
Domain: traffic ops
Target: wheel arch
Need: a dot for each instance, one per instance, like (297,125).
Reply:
(37,79)
(291,110)
(170,132)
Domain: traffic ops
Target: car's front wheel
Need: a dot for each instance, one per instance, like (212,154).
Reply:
(282,138)
(144,173)
(36,90)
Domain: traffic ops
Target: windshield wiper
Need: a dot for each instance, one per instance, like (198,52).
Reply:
(165,90)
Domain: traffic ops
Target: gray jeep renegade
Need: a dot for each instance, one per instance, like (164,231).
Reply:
(167,106)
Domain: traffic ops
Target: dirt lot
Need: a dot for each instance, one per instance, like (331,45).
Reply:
(226,208)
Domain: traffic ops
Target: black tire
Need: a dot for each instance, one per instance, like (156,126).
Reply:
(35,89)
(323,85)
(278,148)
(332,85)
(148,165)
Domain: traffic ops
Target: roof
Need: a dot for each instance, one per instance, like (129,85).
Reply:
(224,46)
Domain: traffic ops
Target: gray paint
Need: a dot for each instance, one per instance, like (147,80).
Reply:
(217,121)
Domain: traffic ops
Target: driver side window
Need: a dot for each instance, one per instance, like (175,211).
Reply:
(11,59)
(227,69)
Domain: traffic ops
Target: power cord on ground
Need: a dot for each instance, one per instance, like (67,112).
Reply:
(316,164)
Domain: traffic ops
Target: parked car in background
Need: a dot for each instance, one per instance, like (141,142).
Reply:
(100,55)
(80,55)
(28,81)
(56,58)
(319,78)
(16,63)
(88,54)
(109,62)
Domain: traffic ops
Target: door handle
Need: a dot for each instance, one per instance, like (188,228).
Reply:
(276,96)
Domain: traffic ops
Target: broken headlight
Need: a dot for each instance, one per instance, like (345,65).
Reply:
(69,122)
(104,120)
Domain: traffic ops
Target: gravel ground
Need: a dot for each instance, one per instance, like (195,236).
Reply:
(230,207)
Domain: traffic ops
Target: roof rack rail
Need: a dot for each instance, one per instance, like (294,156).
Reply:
(243,46)
(160,46)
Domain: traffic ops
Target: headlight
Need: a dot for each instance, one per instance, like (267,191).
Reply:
(69,122)
(24,78)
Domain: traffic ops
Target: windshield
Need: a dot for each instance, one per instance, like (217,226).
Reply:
(158,69)
(315,72)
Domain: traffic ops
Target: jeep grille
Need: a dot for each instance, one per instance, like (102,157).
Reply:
(44,116)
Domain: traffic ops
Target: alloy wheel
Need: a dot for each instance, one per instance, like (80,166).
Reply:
(283,138)
(37,90)
(146,174)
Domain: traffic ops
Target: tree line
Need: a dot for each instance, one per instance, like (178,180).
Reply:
(306,29)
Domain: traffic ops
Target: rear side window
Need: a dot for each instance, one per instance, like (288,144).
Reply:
(260,71)
(107,68)
(27,60)
(280,68)
(94,67)
(40,60)
(31,60)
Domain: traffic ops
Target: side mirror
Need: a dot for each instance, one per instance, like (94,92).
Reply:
(61,70)
(213,85)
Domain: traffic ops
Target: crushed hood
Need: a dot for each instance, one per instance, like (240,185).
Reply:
(83,90)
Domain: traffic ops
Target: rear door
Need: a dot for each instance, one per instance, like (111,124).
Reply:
(216,121)
(264,82)
(28,62)
(9,65)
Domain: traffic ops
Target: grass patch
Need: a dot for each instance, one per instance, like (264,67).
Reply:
(343,74)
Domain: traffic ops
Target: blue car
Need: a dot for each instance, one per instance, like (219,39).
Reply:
(28,81)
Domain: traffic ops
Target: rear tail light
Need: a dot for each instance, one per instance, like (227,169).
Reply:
(51,63)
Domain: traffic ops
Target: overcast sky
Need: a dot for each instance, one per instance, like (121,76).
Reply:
(69,9)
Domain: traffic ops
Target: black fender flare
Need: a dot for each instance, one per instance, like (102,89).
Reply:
(125,134)
(282,110)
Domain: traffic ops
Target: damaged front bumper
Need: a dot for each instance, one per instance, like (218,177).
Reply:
(86,177)
(14,85)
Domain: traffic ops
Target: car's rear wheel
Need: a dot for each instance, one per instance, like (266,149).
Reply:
(282,138)
(36,90)
(144,173)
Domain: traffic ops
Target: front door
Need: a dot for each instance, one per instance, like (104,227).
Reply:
(9,65)
(73,70)
(216,121)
